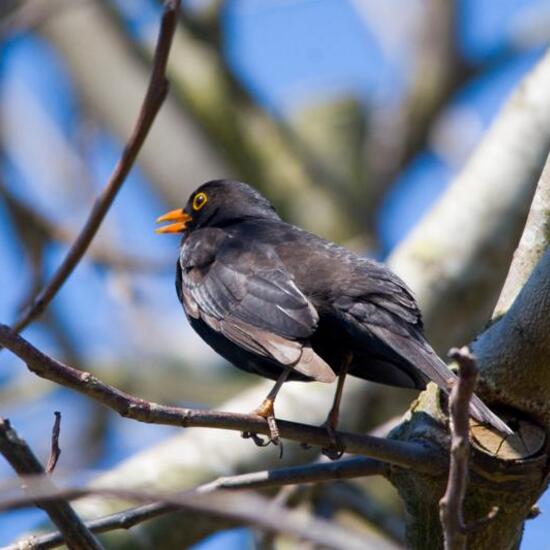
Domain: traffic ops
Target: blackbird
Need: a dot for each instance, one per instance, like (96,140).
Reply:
(283,303)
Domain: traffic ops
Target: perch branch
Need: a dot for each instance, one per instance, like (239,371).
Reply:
(408,455)
(154,97)
(72,530)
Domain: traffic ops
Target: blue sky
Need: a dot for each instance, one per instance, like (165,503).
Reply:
(287,53)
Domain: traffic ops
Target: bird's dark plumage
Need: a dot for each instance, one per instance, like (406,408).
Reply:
(266,294)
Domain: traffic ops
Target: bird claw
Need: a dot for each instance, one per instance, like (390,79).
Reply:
(335,450)
(274,437)
(258,441)
(333,453)
(261,442)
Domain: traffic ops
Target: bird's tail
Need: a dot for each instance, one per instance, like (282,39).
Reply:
(419,353)
(443,376)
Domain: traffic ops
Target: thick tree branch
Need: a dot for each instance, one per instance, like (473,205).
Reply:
(73,531)
(514,352)
(486,205)
(532,245)
(408,455)
(450,506)
(154,97)
(311,473)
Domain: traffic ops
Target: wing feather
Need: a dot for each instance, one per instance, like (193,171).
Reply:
(245,293)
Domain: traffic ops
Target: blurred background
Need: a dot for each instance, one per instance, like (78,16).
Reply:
(352,116)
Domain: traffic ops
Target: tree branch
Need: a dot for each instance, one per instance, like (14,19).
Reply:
(407,455)
(450,506)
(455,280)
(514,352)
(243,508)
(311,473)
(154,97)
(532,245)
(73,531)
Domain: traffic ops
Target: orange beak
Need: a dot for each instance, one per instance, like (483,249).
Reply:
(180,219)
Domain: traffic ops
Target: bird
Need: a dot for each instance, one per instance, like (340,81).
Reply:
(276,300)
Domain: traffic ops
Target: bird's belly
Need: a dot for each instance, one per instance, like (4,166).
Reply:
(239,357)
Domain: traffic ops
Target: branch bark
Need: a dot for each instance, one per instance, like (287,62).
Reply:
(534,242)
(73,531)
(514,352)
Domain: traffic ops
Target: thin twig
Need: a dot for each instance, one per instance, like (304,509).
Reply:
(400,453)
(74,533)
(154,98)
(450,506)
(242,508)
(55,451)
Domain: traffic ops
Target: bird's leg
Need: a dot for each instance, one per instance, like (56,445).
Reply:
(266,410)
(334,452)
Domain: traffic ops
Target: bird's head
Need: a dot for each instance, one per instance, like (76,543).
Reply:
(215,204)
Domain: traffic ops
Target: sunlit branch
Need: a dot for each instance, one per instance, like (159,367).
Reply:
(405,454)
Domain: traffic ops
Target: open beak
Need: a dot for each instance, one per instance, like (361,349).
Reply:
(179,219)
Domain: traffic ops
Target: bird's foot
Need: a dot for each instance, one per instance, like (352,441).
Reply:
(335,450)
(267,411)
(259,441)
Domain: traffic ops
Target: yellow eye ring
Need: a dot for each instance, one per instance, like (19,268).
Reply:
(199,201)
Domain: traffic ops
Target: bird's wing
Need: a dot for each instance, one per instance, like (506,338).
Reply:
(244,292)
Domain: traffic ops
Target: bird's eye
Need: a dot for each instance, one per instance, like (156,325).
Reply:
(199,201)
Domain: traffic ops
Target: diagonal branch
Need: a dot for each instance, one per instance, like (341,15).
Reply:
(311,473)
(405,454)
(156,93)
(245,508)
(72,530)
(532,245)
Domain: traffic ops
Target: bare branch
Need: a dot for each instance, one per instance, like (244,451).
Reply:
(311,473)
(55,451)
(408,455)
(154,97)
(450,506)
(243,508)
(75,534)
